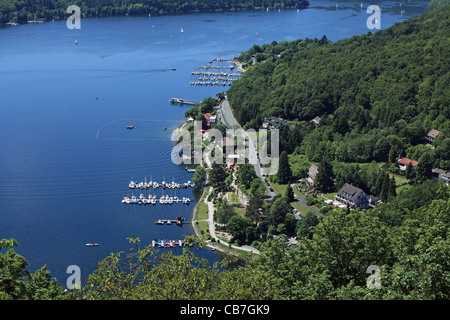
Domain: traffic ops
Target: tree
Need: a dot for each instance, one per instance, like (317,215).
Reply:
(246,175)
(278,211)
(424,168)
(284,171)
(255,210)
(392,188)
(19,284)
(392,158)
(384,193)
(324,179)
(199,177)
(290,197)
(217,176)
(257,188)
(409,172)
(306,224)
(237,226)
(224,213)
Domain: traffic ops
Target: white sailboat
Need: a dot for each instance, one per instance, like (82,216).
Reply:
(182,31)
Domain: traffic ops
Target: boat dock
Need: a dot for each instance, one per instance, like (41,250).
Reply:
(155,185)
(215,75)
(153,200)
(168,243)
(179,221)
(183,101)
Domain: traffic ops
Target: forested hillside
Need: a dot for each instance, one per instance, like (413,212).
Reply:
(372,91)
(21,11)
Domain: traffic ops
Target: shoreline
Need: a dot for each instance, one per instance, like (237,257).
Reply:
(126,14)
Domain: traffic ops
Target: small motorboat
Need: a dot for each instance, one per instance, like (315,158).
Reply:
(91,244)
(131,127)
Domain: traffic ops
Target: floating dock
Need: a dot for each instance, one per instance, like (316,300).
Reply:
(178,222)
(183,101)
(152,200)
(155,185)
(167,243)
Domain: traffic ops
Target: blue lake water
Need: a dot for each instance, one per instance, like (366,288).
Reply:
(66,157)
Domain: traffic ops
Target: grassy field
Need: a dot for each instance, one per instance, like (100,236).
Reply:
(203,226)
(240,211)
(202,212)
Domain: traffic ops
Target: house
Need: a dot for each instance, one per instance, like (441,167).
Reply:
(316,120)
(207,118)
(273,123)
(312,173)
(442,175)
(353,196)
(373,200)
(432,135)
(403,163)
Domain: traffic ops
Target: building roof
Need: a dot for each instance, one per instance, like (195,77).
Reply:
(273,120)
(442,174)
(433,133)
(406,161)
(316,120)
(314,169)
(349,191)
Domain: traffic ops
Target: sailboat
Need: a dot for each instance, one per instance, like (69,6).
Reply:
(182,31)
(257,34)
(76,42)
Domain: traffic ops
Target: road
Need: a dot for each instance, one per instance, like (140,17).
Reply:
(226,116)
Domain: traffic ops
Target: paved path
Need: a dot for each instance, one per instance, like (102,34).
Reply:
(212,229)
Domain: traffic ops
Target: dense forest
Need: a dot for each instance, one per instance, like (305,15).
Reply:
(17,11)
(373,92)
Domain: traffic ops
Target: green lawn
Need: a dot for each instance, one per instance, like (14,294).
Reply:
(240,211)
(279,188)
(303,210)
(330,196)
(202,211)
(203,226)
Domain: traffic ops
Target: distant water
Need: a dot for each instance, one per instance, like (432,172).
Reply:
(60,186)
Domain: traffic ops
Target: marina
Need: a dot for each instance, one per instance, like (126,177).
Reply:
(215,75)
(169,243)
(142,199)
(155,185)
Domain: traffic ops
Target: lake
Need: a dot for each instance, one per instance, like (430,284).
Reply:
(66,156)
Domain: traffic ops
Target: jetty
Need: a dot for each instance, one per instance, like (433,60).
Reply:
(168,243)
(144,185)
(179,221)
(143,200)
(183,101)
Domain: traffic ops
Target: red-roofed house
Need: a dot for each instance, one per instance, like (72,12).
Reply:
(432,135)
(403,163)
(209,119)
